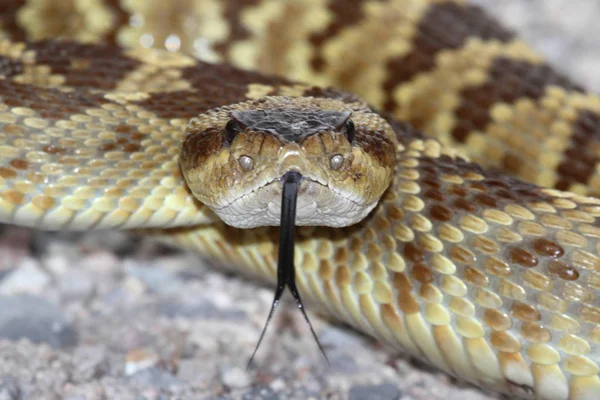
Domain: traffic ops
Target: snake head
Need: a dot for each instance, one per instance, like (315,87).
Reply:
(233,159)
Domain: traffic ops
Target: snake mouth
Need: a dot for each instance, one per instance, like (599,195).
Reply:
(320,203)
(280,179)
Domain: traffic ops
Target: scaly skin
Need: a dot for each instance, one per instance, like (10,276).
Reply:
(489,278)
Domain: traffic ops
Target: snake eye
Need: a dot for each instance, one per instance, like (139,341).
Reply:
(336,162)
(246,162)
(231,130)
(350,130)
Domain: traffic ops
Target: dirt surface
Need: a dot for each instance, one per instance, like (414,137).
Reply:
(110,316)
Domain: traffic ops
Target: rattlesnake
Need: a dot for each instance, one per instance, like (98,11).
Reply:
(487,277)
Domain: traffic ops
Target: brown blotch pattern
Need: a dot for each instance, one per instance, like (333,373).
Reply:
(508,81)
(331,93)
(444,26)
(378,145)
(232,14)
(562,271)
(522,257)
(84,65)
(545,247)
(10,67)
(8,20)
(344,14)
(214,86)
(582,156)
(19,164)
(49,103)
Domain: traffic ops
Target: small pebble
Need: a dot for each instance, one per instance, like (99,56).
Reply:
(139,359)
(235,378)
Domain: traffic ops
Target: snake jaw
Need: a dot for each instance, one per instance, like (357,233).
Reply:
(318,204)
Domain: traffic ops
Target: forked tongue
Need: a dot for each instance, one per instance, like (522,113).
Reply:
(286,273)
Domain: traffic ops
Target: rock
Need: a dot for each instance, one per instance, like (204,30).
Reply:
(343,363)
(76,286)
(384,391)
(28,278)
(90,363)
(235,378)
(139,359)
(36,319)
(9,388)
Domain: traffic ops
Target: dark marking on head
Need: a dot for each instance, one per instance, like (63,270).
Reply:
(508,81)
(291,125)
(377,145)
(444,26)
(198,145)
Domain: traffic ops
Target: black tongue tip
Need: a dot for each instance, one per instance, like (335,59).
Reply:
(286,273)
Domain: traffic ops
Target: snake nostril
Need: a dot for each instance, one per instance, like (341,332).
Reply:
(335,162)
(246,162)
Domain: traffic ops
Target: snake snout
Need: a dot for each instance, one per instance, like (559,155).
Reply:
(291,159)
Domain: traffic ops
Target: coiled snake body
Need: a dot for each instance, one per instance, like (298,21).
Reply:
(463,265)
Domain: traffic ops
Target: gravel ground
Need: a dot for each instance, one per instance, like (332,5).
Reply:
(110,316)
